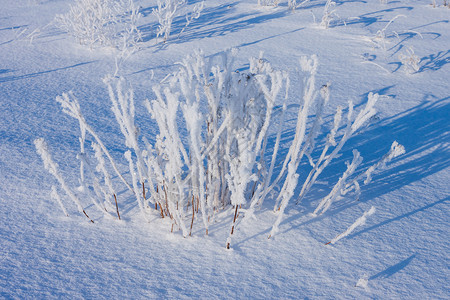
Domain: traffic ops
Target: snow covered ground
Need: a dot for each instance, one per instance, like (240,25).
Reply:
(402,252)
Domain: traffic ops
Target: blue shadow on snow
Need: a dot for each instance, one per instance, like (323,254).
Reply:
(393,269)
(18,77)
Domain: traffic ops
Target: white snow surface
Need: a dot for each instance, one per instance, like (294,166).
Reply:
(402,252)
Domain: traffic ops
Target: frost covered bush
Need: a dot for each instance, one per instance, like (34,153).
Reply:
(410,60)
(293,5)
(268,2)
(110,23)
(329,12)
(445,3)
(168,10)
(212,150)
(381,38)
(114,23)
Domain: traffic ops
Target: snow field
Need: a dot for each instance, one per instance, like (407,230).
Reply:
(401,251)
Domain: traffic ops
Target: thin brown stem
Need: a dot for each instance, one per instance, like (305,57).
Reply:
(143,190)
(162,213)
(234,220)
(167,200)
(198,204)
(117,206)
(87,216)
(232,226)
(157,192)
(193,214)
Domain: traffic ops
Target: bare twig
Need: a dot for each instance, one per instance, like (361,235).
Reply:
(117,206)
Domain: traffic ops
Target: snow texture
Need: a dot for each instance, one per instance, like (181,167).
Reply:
(397,50)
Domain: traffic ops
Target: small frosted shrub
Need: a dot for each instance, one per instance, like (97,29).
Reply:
(381,38)
(168,10)
(211,151)
(105,23)
(293,5)
(410,60)
(445,3)
(268,2)
(329,12)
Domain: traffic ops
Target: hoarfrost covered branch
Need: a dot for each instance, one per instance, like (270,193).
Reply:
(211,152)
(359,222)
(102,23)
